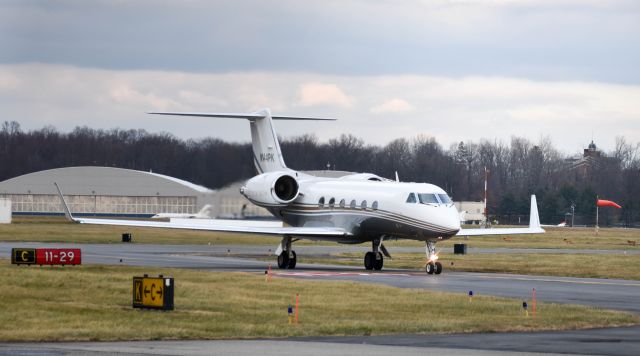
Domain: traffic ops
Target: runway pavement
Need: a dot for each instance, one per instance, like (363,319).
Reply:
(604,293)
(236,347)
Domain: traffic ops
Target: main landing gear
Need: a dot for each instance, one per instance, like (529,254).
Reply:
(373,260)
(287,258)
(433,266)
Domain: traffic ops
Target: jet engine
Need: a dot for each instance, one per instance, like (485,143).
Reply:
(275,188)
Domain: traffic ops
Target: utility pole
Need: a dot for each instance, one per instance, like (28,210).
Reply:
(486,214)
(597,208)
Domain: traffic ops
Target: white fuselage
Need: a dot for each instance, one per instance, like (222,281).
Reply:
(367,209)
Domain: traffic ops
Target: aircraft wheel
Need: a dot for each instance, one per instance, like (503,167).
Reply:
(368,260)
(283,260)
(430,268)
(438,268)
(292,261)
(378,262)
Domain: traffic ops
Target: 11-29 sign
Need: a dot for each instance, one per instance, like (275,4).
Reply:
(46,256)
(58,256)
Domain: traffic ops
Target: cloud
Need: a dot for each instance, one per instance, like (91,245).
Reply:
(125,95)
(392,106)
(312,94)
(9,81)
(450,108)
(544,40)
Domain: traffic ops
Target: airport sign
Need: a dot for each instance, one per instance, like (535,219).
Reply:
(58,256)
(153,292)
(46,256)
(23,256)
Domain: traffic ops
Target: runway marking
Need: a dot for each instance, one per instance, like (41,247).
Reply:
(630,284)
(337,274)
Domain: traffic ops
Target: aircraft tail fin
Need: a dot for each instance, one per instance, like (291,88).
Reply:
(267,155)
(534,218)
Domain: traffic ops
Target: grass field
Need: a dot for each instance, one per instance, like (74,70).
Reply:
(569,265)
(94,303)
(57,229)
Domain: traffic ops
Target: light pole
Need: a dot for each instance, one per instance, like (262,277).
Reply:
(573,212)
(95,203)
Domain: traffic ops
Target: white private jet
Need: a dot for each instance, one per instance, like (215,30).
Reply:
(202,214)
(352,209)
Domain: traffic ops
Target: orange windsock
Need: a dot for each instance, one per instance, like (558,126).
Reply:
(602,202)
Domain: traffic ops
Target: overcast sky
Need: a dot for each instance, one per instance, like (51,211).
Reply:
(456,70)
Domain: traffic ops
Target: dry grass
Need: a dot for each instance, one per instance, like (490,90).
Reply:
(565,238)
(94,303)
(570,265)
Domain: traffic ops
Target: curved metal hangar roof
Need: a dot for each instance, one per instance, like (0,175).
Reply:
(100,181)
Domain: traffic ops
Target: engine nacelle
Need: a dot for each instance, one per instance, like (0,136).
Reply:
(275,188)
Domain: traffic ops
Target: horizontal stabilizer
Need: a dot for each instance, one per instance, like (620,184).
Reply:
(239,116)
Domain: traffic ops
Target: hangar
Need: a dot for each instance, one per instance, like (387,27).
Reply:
(104,191)
(108,191)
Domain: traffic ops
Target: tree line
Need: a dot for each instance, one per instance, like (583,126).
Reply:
(516,169)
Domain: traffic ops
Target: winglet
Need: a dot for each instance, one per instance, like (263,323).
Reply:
(534,218)
(67,212)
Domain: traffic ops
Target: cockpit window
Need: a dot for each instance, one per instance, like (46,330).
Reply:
(411,198)
(427,198)
(444,199)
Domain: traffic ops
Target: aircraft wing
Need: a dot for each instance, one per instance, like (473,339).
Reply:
(263,230)
(534,226)
(500,231)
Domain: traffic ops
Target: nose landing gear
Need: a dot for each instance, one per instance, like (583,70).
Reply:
(433,266)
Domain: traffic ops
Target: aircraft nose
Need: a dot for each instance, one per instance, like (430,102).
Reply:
(452,220)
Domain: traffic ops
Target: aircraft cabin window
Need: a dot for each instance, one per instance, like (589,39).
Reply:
(411,198)
(374,206)
(363,205)
(444,199)
(427,198)
(332,202)
(342,202)
(353,204)
(321,202)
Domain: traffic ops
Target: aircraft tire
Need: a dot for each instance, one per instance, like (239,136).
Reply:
(283,260)
(368,260)
(378,263)
(430,268)
(438,269)
(292,261)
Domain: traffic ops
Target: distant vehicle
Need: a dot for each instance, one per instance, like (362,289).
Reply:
(353,209)
(202,214)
